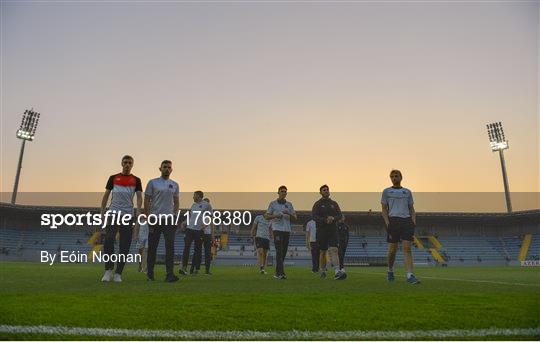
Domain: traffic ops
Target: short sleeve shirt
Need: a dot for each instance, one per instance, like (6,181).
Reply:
(123,188)
(196,216)
(162,192)
(311,228)
(282,223)
(263,227)
(398,200)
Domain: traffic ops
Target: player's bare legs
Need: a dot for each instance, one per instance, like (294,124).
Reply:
(260,257)
(392,251)
(407,254)
(264,257)
(322,263)
(334,257)
(143,252)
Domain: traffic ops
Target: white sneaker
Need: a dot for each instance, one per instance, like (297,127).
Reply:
(117,278)
(107,276)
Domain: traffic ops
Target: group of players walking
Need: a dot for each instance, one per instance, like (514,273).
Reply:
(326,231)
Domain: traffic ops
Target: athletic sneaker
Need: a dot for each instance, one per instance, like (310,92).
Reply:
(323,275)
(107,276)
(412,280)
(171,278)
(262,271)
(340,275)
(150,277)
(283,276)
(277,276)
(182,271)
(390,276)
(117,278)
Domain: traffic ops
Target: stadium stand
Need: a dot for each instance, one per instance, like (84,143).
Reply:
(442,238)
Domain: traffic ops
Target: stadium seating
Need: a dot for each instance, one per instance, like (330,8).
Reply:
(466,250)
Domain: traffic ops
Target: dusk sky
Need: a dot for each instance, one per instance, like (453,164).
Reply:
(248,96)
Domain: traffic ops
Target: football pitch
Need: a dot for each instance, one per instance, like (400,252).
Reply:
(68,301)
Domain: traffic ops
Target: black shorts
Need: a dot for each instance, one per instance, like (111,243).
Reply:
(327,236)
(400,229)
(262,243)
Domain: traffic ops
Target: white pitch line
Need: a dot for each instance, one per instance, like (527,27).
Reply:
(257,335)
(457,279)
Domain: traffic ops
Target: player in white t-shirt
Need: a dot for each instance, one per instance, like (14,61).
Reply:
(142,245)
(261,232)
(311,244)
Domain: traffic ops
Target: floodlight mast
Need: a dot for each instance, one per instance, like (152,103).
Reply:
(26,131)
(498,142)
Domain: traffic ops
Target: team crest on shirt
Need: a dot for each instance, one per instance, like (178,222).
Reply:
(170,186)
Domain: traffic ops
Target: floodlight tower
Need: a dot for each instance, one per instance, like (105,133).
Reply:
(499,143)
(26,131)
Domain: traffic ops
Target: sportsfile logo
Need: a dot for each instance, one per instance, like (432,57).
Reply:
(109,218)
(112,217)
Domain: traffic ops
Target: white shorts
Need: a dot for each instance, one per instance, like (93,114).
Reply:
(143,236)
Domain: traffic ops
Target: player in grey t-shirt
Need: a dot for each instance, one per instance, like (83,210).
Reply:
(311,244)
(399,219)
(261,231)
(162,196)
(280,212)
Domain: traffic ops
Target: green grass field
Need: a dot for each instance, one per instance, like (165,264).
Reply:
(237,299)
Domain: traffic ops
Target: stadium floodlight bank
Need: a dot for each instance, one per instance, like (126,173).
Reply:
(498,143)
(26,131)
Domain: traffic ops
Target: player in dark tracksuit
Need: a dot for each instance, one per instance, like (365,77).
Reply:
(206,237)
(343,241)
(327,214)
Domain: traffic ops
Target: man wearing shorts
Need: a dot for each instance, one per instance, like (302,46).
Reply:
(261,232)
(311,244)
(399,220)
(327,214)
(343,242)
(142,245)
